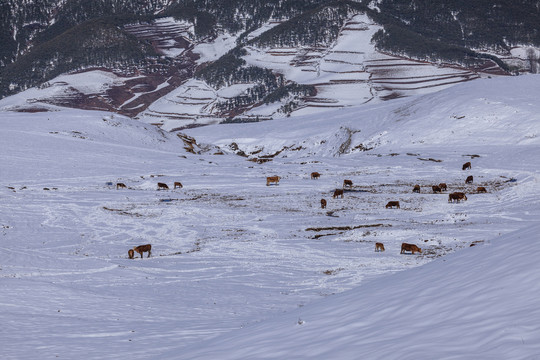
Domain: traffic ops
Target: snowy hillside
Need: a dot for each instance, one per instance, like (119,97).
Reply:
(465,116)
(242,270)
(181,64)
(480,303)
(348,72)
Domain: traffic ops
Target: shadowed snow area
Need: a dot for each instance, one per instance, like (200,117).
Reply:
(479,303)
(242,270)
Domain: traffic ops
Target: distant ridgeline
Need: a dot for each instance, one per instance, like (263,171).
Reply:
(450,30)
(43,39)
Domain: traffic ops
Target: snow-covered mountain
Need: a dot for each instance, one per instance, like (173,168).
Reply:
(181,64)
(242,270)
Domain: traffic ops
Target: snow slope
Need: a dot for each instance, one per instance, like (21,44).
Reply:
(479,303)
(244,270)
(483,113)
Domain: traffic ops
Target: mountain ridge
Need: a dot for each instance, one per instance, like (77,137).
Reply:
(165,44)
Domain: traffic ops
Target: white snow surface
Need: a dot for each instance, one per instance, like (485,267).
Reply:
(91,82)
(480,303)
(242,270)
(212,51)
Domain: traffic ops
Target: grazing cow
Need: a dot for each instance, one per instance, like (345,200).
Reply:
(410,247)
(131,253)
(315,175)
(347,183)
(272,179)
(379,247)
(323,204)
(178,184)
(120,186)
(338,192)
(142,249)
(416,189)
(436,189)
(392,204)
(481,189)
(162,186)
(469,179)
(443,186)
(466,166)
(457,197)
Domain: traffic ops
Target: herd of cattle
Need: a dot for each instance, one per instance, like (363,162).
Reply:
(160,185)
(405,247)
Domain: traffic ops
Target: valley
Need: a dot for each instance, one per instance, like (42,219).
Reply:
(230,253)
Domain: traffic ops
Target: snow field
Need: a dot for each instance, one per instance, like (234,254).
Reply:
(483,307)
(230,252)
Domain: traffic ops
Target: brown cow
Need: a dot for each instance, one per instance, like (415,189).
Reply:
(323,204)
(162,186)
(142,249)
(379,247)
(481,189)
(178,184)
(436,189)
(338,192)
(121,186)
(410,247)
(443,186)
(469,179)
(466,166)
(131,253)
(272,179)
(392,204)
(347,183)
(416,189)
(315,175)
(457,197)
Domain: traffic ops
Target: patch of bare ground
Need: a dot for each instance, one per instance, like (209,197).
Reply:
(264,157)
(234,147)
(429,159)
(189,142)
(195,248)
(234,201)
(229,200)
(259,160)
(333,271)
(30,109)
(200,196)
(122,212)
(393,95)
(436,251)
(420,80)
(362,147)
(232,198)
(342,229)
(356,189)
(364,236)
(478,242)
